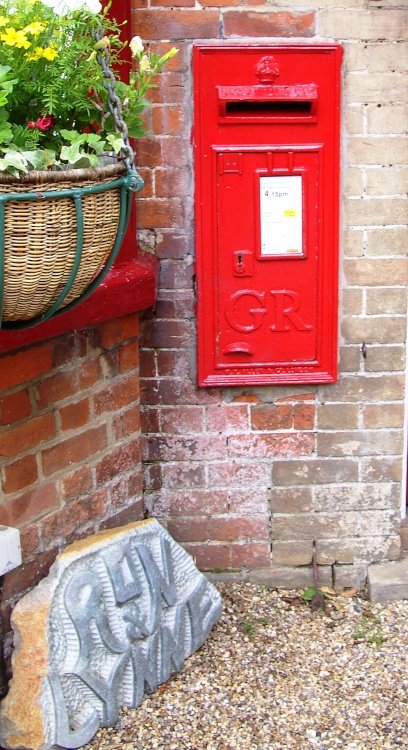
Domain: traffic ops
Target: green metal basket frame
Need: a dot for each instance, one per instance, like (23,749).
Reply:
(130,182)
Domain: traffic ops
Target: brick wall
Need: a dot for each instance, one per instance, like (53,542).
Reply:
(250,478)
(69,443)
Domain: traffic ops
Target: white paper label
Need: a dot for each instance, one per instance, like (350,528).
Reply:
(281,215)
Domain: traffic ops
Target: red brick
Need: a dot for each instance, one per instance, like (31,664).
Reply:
(177,24)
(127,423)
(171,89)
(285,24)
(173,363)
(17,440)
(167,333)
(75,415)
(172,245)
(67,521)
(152,477)
(20,474)
(26,507)
(304,415)
(147,177)
(15,406)
(176,275)
(250,555)
(210,556)
(189,475)
(25,365)
(61,385)
(168,119)
(116,331)
(175,152)
(179,62)
(173,3)
(220,3)
(246,398)
(276,444)
(117,395)
(227,418)
(271,417)
(74,450)
(173,447)
(128,357)
(119,493)
(29,574)
(148,152)
(70,347)
(239,474)
(132,513)
(118,461)
(150,420)
(182,419)
(172,183)
(296,397)
(76,483)
(147,363)
(135,483)
(233,528)
(176,304)
(187,503)
(189,529)
(30,541)
(160,212)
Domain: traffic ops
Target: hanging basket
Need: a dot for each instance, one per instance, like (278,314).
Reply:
(59,232)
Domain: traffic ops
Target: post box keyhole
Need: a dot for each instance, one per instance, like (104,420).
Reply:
(243,263)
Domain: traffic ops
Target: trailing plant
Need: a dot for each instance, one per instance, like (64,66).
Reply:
(54,85)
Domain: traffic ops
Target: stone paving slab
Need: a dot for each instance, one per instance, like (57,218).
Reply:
(388,581)
(117,615)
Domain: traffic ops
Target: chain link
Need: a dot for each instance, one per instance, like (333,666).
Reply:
(114,103)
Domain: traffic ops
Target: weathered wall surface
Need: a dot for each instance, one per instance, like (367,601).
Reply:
(69,444)
(251,477)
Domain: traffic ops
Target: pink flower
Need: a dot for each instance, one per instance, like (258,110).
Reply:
(31,124)
(45,123)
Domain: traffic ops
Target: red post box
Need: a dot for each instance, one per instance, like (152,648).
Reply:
(266,139)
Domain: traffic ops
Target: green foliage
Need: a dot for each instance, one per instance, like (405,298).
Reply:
(369,631)
(52,83)
(309,593)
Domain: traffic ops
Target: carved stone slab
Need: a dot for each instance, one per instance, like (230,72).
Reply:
(118,614)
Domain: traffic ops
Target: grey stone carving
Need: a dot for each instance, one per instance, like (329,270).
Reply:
(125,610)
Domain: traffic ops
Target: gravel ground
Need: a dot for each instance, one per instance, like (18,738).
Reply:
(277,674)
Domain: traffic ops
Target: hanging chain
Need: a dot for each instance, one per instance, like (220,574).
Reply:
(114,103)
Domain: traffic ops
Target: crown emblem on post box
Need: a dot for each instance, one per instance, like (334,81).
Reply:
(267,69)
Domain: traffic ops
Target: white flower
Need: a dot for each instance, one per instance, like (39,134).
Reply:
(144,65)
(136,45)
(64,7)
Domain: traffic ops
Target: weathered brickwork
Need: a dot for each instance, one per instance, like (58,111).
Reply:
(251,477)
(70,452)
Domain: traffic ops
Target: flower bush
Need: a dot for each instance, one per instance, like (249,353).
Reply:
(54,96)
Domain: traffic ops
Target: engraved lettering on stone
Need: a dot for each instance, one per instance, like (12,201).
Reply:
(64,735)
(122,618)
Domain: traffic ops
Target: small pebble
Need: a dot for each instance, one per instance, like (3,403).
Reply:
(271,678)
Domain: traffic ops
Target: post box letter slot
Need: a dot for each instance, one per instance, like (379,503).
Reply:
(291,103)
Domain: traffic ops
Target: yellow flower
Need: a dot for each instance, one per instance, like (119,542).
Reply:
(48,53)
(34,28)
(3,20)
(14,38)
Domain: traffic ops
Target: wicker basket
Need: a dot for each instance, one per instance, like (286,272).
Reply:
(40,237)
